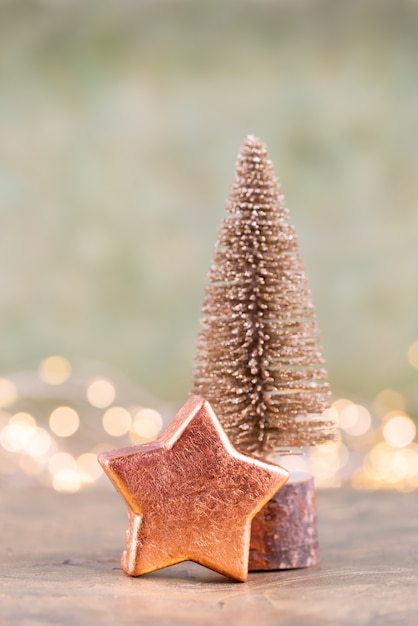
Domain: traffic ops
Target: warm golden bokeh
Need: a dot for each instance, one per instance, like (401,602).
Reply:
(54,370)
(64,421)
(377,447)
(388,400)
(101,393)
(146,425)
(117,421)
(355,419)
(40,444)
(67,480)
(399,431)
(18,432)
(88,467)
(413,354)
(58,448)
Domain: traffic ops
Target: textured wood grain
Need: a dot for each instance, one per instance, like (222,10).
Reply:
(60,555)
(284,534)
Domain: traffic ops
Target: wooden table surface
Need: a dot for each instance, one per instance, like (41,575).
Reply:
(60,565)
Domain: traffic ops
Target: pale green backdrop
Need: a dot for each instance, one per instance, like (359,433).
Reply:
(119,127)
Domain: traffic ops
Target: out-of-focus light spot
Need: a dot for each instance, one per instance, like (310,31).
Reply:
(19,431)
(377,452)
(64,421)
(411,456)
(395,465)
(147,424)
(117,421)
(8,393)
(54,370)
(88,467)
(60,461)
(30,465)
(413,354)
(387,400)
(386,466)
(399,431)
(40,443)
(405,463)
(66,480)
(101,393)
(340,404)
(355,420)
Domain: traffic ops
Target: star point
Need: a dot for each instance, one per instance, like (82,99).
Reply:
(190,495)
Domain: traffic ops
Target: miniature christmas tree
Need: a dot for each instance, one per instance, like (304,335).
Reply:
(259,360)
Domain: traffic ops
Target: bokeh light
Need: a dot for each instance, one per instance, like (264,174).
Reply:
(88,467)
(146,425)
(355,419)
(59,461)
(19,431)
(45,445)
(66,480)
(376,447)
(340,404)
(54,370)
(8,393)
(40,444)
(413,354)
(64,421)
(388,400)
(399,431)
(117,421)
(388,467)
(101,393)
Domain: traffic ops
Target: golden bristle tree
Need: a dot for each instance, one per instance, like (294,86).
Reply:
(259,360)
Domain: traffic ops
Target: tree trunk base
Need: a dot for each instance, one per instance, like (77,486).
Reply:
(284,533)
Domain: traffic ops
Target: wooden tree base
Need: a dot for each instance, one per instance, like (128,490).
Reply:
(284,533)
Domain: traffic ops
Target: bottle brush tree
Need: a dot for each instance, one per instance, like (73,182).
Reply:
(259,360)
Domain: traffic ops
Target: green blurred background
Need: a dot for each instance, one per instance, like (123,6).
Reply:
(120,123)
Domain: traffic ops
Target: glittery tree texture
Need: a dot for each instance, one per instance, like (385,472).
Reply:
(259,360)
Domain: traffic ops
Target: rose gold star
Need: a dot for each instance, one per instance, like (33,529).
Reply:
(190,495)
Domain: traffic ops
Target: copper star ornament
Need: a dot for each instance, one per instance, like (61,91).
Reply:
(190,495)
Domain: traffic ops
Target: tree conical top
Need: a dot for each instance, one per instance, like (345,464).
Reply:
(259,360)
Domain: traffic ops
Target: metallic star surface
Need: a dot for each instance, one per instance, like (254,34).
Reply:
(190,495)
